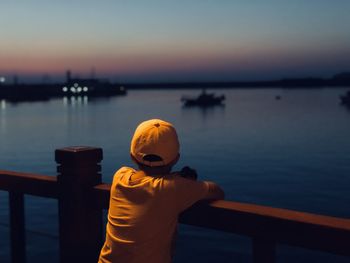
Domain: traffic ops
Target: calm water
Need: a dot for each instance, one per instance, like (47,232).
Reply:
(292,153)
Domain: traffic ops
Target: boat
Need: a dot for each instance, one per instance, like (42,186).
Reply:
(203,100)
(345,99)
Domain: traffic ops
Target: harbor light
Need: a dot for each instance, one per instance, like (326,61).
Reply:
(76,85)
(65,89)
(79,89)
(72,89)
(2,79)
(85,89)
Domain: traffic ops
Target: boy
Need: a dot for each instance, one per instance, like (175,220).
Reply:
(145,203)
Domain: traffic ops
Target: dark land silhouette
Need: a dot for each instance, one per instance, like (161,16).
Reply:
(338,80)
(95,87)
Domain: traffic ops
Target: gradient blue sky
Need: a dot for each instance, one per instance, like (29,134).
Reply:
(175,40)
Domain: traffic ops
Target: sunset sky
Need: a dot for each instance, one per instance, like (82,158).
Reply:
(174,40)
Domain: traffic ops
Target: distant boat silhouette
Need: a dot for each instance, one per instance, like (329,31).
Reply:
(204,100)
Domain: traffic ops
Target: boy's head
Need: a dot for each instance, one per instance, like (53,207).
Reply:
(155,144)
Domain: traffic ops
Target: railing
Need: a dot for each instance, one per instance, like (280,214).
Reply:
(82,197)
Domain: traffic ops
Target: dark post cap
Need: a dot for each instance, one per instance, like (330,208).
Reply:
(78,153)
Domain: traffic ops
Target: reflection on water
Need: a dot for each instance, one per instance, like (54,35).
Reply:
(3,117)
(204,112)
(75,101)
(3,104)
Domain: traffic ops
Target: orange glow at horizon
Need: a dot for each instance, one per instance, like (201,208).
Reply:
(241,58)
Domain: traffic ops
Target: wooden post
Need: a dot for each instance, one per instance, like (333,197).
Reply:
(264,251)
(17,229)
(80,219)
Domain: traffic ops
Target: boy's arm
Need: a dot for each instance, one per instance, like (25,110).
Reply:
(215,192)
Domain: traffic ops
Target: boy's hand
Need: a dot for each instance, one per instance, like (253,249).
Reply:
(188,173)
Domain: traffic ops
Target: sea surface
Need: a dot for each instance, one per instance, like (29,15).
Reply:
(291,153)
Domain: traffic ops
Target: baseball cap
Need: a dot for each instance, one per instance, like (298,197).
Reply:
(155,143)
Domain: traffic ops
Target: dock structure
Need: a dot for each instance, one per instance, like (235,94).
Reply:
(72,87)
(82,197)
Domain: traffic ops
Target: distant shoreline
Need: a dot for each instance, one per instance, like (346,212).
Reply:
(284,83)
(293,83)
(338,80)
(94,87)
